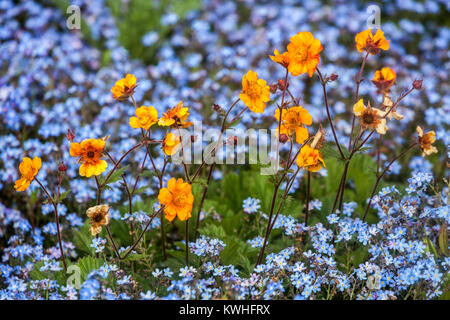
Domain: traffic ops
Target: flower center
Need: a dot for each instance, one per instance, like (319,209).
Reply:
(301,53)
(97,217)
(254,90)
(179,199)
(372,46)
(368,118)
(90,154)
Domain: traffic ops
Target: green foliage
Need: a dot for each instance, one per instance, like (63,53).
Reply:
(83,239)
(361,177)
(37,274)
(236,251)
(443,239)
(115,176)
(88,264)
(138,17)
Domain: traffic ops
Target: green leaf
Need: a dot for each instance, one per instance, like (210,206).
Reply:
(364,149)
(330,152)
(443,239)
(149,173)
(88,264)
(431,247)
(141,189)
(201,181)
(116,176)
(64,195)
(134,257)
(83,239)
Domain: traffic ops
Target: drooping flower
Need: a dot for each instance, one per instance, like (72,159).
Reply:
(384,79)
(365,41)
(282,58)
(90,152)
(303,53)
(255,92)
(28,169)
(99,216)
(293,121)
(176,117)
(310,159)
(177,199)
(124,87)
(389,108)
(370,117)
(145,117)
(425,141)
(171,144)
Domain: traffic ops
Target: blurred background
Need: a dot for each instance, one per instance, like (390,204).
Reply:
(53,78)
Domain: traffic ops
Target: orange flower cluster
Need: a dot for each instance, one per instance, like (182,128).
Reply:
(255,92)
(310,159)
(302,54)
(177,199)
(384,79)
(28,169)
(293,121)
(145,118)
(124,87)
(90,153)
(365,41)
(176,117)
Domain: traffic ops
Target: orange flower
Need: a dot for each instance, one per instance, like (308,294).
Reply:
(145,117)
(177,199)
(90,152)
(171,144)
(124,87)
(425,141)
(99,216)
(370,117)
(28,169)
(176,116)
(282,59)
(303,53)
(371,43)
(255,92)
(310,159)
(384,79)
(293,120)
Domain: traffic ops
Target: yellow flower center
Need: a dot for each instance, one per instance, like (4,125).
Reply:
(254,90)
(301,53)
(179,199)
(292,119)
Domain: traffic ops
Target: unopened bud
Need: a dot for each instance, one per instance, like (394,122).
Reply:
(217,108)
(273,87)
(70,135)
(282,84)
(333,77)
(283,138)
(62,167)
(417,84)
